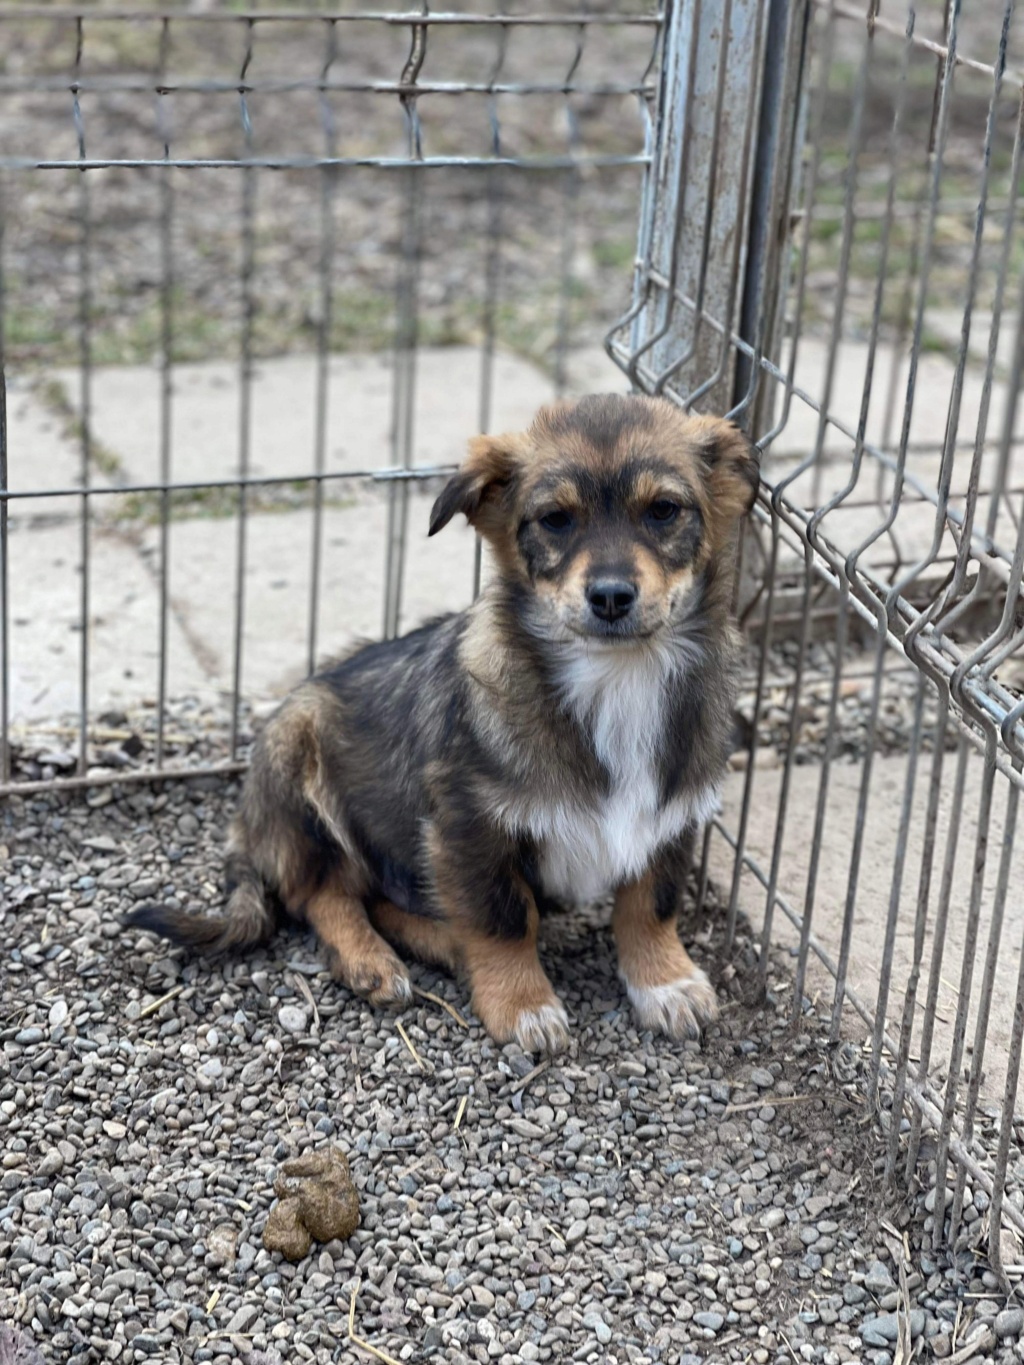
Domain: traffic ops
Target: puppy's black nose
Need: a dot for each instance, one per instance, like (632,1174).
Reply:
(610,599)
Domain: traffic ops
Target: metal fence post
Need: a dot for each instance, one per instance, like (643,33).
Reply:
(717,208)
(776,155)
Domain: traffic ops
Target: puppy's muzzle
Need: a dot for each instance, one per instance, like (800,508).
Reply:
(611,599)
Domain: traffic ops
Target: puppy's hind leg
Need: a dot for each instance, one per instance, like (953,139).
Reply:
(359,956)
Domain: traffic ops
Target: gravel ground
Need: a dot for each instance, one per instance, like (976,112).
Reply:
(632,1201)
(894,719)
(196,731)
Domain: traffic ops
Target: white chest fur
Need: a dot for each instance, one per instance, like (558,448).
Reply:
(619,696)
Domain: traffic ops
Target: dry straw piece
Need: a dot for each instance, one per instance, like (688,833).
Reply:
(408,1042)
(436,1000)
(358,1341)
(154,1005)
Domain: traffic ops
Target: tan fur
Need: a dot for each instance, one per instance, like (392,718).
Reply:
(359,956)
(508,983)
(667,990)
(427,939)
(729,493)
(650,953)
(569,588)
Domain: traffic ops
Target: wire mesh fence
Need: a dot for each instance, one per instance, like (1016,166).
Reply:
(871,337)
(183,186)
(828,248)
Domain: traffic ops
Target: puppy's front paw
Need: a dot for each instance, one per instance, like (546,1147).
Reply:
(536,1027)
(543,1030)
(679,1008)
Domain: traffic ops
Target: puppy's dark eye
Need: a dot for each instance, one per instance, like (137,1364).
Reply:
(663,511)
(556,520)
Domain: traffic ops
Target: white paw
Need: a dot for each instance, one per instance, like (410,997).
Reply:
(399,990)
(383,982)
(542,1030)
(680,1008)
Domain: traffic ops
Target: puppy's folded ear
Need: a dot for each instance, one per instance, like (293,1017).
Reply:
(477,488)
(735,466)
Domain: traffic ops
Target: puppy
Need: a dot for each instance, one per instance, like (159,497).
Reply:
(560,740)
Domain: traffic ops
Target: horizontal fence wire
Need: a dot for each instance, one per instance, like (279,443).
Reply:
(401,18)
(77,80)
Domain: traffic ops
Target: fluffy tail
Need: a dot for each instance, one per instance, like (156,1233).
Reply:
(248,917)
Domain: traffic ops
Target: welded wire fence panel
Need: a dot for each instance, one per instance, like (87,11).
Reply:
(872,344)
(263,274)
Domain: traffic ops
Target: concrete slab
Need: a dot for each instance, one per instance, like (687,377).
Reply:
(947,324)
(41,454)
(438,577)
(874,886)
(206,402)
(933,386)
(866,507)
(45,624)
(589,370)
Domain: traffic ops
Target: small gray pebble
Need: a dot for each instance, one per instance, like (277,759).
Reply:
(885,1328)
(243,1319)
(1009,1323)
(51,1163)
(292,1018)
(714,1322)
(598,1326)
(930,1197)
(878,1280)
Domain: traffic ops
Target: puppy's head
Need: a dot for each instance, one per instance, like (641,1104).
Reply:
(608,511)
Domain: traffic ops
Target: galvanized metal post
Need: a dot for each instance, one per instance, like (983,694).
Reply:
(698,207)
(776,153)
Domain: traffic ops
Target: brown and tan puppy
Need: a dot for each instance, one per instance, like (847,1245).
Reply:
(560,740)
